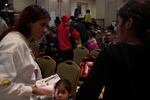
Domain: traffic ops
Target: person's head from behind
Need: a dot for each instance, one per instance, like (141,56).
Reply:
(32,22)
(63,89)
(57,21)
(66,20)
(133,19)
(76,13)
(87,11)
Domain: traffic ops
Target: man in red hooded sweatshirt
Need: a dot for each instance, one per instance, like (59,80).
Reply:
(64,34)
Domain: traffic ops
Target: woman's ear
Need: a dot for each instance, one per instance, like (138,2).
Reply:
(129,23)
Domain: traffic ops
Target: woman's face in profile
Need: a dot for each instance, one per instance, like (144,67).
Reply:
(39,27)
(121,30)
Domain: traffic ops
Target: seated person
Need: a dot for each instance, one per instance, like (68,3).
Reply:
(63,90)
(92,43)
(49,44)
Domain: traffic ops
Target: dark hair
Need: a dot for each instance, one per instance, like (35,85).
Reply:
(139,11)
(87,11)
(57,20)
(67,84)
(76,12)
(30,14)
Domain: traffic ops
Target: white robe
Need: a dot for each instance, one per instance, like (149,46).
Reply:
(16,67)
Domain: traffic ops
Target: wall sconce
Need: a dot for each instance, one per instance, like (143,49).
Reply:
(6,4)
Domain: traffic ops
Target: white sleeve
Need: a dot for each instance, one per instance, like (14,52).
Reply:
(16,69)
(8,74)
(15,89)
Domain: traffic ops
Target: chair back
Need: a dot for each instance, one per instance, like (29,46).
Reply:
(95,52)
(71,71)
(47,66)
(79,54)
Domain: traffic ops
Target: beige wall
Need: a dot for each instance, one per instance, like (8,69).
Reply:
(57,8)
(86,4)
(106,10)
(60,7)
(19,5)
(100,9)
(67,7)
(111,7)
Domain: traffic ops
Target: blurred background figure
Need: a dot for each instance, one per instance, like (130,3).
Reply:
(76,13)
(49,44)
(92,43)
(88,19)
(108,39)
(67,37)
(8,14)
(3,25)
(57,21)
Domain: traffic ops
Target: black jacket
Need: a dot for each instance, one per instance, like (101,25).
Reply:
(124,71)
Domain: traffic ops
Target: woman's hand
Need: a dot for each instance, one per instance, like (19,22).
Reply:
(42,91)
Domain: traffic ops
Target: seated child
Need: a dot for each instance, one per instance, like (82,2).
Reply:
(92,43)
(63,90)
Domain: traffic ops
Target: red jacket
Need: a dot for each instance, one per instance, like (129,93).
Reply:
(63,32)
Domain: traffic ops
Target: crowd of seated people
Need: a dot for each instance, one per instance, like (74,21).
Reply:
(49,44)
(93,38)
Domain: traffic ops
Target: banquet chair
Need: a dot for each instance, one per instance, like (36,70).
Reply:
(95,52)
(47,66)
(71,71)
(79,54)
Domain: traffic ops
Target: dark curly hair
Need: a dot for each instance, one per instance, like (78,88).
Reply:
(30,14)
